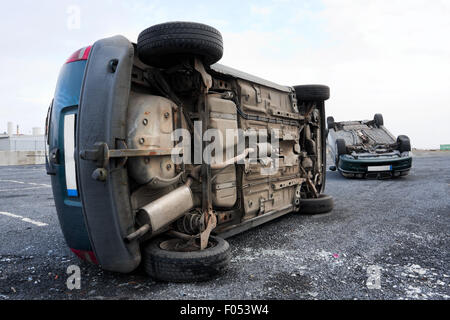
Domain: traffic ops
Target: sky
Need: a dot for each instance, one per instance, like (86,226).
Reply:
(385,56)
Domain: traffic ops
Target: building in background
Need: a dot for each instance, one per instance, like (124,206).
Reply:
(10,141)
(22,143)
(16,149)
(10,128)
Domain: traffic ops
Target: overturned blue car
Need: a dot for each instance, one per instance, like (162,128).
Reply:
(366,149)
(130,191)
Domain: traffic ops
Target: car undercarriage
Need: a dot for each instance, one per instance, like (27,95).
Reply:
(176,150)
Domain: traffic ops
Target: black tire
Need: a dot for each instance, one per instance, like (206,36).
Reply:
(176,266)
(341,147)
(378,118)
(330,123)
(312,92)
(323,204)
(166,44)
(403,143)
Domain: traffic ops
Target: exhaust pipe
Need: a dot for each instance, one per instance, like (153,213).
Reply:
(165,210)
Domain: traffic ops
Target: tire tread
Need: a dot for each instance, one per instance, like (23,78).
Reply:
(186,266)
(161,45)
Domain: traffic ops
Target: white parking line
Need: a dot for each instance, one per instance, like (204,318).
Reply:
(37,223)
(22,169)
(30,188)
(37,185)
(30,183)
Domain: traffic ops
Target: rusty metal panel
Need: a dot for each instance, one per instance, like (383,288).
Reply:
(149,126)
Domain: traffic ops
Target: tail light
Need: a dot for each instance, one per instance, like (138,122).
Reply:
(81,54)
(88,256)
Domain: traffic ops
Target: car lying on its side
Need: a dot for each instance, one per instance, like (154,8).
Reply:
(126,132)
(366,149)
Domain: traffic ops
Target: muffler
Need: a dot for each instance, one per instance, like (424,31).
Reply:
(165,210)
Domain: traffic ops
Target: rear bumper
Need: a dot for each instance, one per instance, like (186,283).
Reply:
(106,204)
(374,168)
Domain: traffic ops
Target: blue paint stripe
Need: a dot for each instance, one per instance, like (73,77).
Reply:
(72,193)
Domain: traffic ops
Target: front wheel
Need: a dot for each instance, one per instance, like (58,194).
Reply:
(341,149)
(312,92)
(403,143)
(173,261)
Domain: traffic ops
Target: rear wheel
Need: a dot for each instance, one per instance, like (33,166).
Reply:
(330,123)
(378,118)
(403,143)
(312,206)
(167,44)
(172,260)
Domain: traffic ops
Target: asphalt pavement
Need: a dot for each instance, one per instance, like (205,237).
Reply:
(385,239)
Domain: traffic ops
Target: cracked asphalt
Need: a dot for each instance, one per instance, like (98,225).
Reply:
(399,227)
